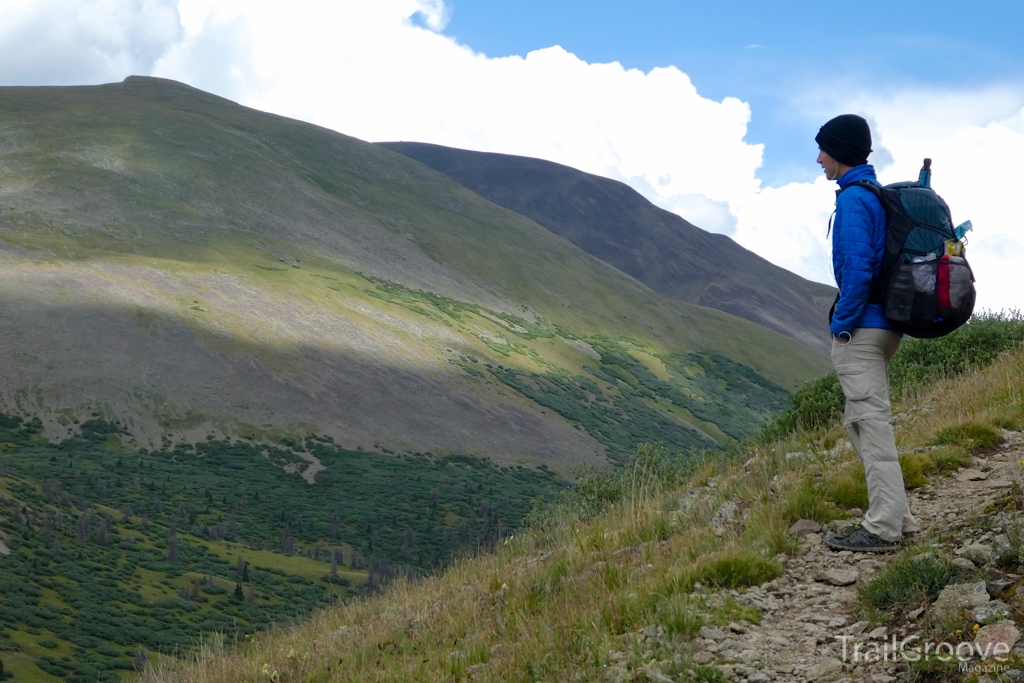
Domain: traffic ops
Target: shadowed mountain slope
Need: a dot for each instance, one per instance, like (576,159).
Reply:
(196,268)
(615,223)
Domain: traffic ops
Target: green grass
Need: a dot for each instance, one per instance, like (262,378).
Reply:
(807,500)
(908,582)
(971,436)
(733,569)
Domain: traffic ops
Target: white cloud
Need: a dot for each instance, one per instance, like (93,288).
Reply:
(368,70)
(381,71)
(88,41)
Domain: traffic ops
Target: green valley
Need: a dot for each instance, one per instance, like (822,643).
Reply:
(250,367)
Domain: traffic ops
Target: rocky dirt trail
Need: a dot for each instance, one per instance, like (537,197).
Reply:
(810,612)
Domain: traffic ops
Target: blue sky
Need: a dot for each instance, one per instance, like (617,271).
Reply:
(764,52)
(707,109)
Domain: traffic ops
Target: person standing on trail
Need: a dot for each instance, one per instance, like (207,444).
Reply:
(863,341)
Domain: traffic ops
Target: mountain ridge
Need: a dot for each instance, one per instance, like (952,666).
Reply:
(612,221)
(191,266)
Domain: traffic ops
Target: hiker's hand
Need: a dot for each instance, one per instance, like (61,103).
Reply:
(840,340)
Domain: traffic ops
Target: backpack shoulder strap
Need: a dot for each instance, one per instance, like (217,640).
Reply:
(877,295)
(875,189)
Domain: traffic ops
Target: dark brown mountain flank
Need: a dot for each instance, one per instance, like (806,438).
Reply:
(613,222)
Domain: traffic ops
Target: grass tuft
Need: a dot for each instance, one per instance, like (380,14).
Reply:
(908,582)
(847,487)
(733,568)
(678,616)
(974,436)
(949,460)
(807,501)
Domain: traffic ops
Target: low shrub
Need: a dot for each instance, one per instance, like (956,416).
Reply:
(817,404)
(820,402)
(973,346)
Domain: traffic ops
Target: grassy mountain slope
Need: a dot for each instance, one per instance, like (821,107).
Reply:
(193,267)
(613,222)
(618,583)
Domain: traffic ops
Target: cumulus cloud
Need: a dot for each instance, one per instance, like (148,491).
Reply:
(374,71)
(89,41)
(382,70)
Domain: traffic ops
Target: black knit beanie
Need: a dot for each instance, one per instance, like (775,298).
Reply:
(847,139)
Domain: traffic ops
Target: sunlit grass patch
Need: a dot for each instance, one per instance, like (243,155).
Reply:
(972,436)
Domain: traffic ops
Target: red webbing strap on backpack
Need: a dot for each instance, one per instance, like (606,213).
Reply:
(942,286)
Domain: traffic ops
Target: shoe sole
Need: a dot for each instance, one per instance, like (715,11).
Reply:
(862,549)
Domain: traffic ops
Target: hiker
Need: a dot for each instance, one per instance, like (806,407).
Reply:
(863,340)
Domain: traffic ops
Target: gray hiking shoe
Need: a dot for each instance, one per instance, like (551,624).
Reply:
(858,539)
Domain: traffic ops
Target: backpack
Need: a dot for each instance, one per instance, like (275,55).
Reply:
(925,284)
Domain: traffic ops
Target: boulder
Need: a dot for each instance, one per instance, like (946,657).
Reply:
(712,633)
(803,527)
(813,539)
(963,563)
(654,675)
(836,577)
(1004,634)
(825,670)
(978,553)
(990,611)
(971,475)
(960,596)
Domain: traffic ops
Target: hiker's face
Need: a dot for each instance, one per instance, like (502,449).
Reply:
(829,165)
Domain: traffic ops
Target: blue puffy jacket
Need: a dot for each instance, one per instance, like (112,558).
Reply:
(858,244)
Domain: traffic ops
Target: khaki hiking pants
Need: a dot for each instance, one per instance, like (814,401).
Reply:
(862,366)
